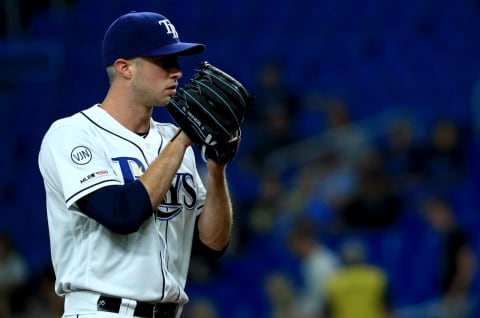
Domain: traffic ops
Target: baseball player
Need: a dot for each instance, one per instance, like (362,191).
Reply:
(125,203)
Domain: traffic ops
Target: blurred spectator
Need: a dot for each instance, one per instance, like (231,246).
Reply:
(318,188)
(202,269)
(302,190)
(444,154)
(401,154)
(318,262)
(203,265)
(200,308)
(458,261)
(267,208)
(375,202)
(345,137)
(13,275)
(358,289)
(281,296)
(42,301)
(272,116)
(335,179)
(303,198)
(272,92)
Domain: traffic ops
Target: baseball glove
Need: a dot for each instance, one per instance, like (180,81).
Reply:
(210,108)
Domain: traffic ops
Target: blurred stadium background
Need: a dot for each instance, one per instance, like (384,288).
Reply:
(351,76)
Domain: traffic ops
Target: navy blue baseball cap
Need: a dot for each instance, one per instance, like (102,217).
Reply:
(141,34)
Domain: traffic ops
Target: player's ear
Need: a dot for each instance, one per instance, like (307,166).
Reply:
(123,68)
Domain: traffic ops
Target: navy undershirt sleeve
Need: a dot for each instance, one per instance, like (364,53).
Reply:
(200,249)
(120,208)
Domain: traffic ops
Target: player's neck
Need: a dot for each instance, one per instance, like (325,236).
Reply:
(134,117)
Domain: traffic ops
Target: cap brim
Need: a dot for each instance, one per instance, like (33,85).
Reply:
(179,48)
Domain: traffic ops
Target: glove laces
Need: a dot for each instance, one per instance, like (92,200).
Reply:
(208,142)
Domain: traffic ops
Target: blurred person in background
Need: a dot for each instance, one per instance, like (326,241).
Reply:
(14,273)
(400,154)
(201,308)
(280,295)
(317,263)
(357,289)
(42,301)
(375,203)
(458,262)
(273,121)
(302,189)
(271,91)
(305,195)
(267,208)
(335,181)
(345,137)
(444,154)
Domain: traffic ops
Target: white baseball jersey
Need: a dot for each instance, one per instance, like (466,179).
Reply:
(91,150)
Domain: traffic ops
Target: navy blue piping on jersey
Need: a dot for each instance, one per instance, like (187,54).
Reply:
(166,260)
(146,161)
(93,185)
(116,135)
(120,208)
(166,244)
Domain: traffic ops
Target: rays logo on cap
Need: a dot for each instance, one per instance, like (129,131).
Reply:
(170,28)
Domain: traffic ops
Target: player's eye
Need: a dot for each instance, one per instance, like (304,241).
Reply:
(167,62)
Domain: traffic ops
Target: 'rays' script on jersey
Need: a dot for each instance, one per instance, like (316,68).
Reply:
(180,195)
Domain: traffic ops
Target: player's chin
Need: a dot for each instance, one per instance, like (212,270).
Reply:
(169,94)
(165,100)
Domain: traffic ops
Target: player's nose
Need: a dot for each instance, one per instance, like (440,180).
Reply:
(177,73)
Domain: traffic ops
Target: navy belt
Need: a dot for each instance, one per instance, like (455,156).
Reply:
(142,309)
